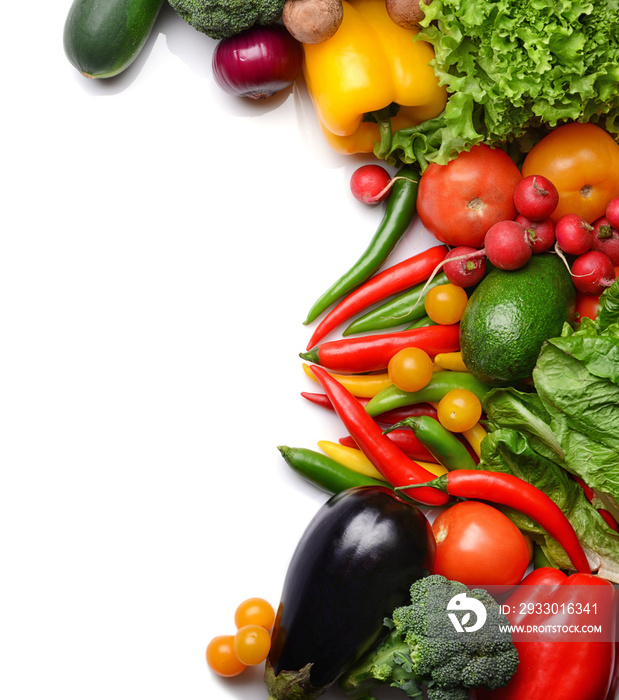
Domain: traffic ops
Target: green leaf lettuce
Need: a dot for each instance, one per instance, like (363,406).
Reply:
(513,69)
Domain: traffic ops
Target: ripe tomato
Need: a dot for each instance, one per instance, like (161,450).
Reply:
(445,303)
(252,644)
(410,369)
(587,305)
(221,657)
(255,611)
(582,161)
(477,544)
(459,410)
(458,202)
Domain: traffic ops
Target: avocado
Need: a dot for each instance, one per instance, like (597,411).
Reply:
(510,315)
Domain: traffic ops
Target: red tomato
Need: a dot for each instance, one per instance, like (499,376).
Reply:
(478,545)
(582,161)
(587,305)
(458,202)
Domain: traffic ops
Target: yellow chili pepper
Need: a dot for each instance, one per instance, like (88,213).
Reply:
(363,386)
(354,459)
(474,437)
(350,457)
(451,360)
(369,64)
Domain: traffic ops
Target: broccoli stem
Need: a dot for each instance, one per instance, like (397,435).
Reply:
(379,667)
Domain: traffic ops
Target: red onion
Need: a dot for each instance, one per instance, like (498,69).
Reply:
(258,62)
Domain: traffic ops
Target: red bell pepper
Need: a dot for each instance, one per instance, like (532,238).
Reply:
(570,665)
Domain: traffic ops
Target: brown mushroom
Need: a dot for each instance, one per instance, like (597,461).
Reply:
(312,21)
(406,13)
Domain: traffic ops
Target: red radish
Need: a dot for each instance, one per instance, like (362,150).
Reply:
(507,246)
(536,197)
(541,234)
(592,272)
(573,234)
(370,184)
(612,212)
(606,239)
(467,271)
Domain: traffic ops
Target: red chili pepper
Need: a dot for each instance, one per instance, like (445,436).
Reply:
(395,415)
(373,352)
(394,279)
(386,456)
(562,665)
(509,490)
(324,401)
(590,495)
(405,440)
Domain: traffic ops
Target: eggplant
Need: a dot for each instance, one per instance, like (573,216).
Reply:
(354,564)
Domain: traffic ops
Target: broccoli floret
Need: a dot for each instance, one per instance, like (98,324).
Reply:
(425,647)
(220,19)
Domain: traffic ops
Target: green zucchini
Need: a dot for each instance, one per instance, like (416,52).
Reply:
(103,37)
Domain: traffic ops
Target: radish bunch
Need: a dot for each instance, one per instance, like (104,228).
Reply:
(509,245)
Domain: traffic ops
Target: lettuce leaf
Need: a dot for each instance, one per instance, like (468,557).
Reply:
(521,442)
(577,380)
(506,450)
(513,70)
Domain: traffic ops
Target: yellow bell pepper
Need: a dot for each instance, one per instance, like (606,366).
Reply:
(369,64)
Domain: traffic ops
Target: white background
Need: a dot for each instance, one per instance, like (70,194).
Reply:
(161,244)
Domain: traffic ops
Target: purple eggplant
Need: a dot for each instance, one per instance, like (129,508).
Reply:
(355,563)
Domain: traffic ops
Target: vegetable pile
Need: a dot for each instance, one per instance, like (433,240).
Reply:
(478,380)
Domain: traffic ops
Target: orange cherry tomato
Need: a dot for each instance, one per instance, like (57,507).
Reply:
(445,303)
(255,611)
(410,369)
(252,644)
(221,657)
(582,162)
(459,410)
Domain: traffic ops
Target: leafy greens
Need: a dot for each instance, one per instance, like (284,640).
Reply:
(512,69)
(570,426)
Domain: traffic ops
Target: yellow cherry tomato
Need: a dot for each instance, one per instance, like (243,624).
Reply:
(254,611)
(221,657)
(252,644)
(445,303)
(582,162)
(459,410)
(410,369)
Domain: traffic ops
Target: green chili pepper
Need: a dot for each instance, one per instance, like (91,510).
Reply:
(403,308)
(399,212)
(325,472)
(422,322)
(438,386)
(440,442)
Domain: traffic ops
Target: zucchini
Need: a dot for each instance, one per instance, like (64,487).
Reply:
(103,37)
